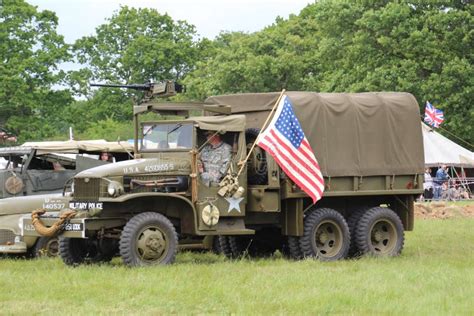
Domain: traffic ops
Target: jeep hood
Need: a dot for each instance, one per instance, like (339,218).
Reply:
(27,204)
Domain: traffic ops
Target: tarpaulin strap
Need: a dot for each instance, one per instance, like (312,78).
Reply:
(55,228)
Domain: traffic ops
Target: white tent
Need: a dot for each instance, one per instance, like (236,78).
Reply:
(440,150)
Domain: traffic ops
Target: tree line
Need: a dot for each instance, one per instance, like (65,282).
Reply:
(419,46)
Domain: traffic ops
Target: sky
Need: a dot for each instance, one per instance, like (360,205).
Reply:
(79,18)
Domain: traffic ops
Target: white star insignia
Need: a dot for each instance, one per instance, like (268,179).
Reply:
(234,204)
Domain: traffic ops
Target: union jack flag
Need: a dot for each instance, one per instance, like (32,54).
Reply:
(285,141)
(433,116)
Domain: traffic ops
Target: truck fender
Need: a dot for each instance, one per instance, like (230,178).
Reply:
(187,213)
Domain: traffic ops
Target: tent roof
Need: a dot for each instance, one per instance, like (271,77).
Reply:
(440,150)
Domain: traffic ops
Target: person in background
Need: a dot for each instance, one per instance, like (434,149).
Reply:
(428,185)
(440,179)
(105,156)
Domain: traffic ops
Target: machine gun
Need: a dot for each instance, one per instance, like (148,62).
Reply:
(162,89)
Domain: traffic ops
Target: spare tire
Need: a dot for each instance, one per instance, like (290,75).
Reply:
(257,162)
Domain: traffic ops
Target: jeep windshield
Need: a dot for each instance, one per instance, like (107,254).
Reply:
(166,136)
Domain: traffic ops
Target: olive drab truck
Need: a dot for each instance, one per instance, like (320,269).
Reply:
(369,147)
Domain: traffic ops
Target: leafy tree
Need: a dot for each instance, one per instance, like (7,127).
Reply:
(277,57)
(30,51)
(133,46)
(108,129)
(136,45)
(422,47)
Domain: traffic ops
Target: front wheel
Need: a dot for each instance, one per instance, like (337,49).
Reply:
(325,235)
(46,247)
(380,233)
(148,239)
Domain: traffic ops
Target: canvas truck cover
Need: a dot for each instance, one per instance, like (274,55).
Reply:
(352,134)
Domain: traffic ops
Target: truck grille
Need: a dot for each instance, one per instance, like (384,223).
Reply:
(6,236)
(86,190)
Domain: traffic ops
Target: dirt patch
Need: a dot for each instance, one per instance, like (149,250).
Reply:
(441,210)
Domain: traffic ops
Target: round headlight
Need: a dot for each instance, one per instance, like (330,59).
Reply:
(111,189)
(114,188)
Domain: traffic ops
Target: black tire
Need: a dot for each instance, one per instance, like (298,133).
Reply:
(46,247)
(256,172)
(216,245)
(224,242)
(352,221)
(380,233)
(294,248)
(148,239)
(75,251)
(326,235)
(238,245)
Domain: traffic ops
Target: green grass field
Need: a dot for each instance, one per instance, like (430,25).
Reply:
(434,275)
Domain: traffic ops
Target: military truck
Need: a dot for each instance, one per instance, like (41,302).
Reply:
(34,178)
(369,147)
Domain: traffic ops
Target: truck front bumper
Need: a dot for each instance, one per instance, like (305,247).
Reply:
(74,228)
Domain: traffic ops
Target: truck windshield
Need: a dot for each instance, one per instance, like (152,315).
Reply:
(166,136)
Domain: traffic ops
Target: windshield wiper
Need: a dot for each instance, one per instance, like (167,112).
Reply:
(178,126)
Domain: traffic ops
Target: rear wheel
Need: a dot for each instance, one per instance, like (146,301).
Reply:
(325,235)
(352,222)
(148,239)
(47,247)
(379,232)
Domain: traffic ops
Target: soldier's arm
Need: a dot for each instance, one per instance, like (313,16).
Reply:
(226,155)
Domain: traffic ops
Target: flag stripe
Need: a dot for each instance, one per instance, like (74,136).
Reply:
(310,190)
(284,156)
(302,158)
(295,167)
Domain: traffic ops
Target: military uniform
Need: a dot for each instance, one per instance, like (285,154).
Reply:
(215,162)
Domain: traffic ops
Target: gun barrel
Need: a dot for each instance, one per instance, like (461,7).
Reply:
(126,86)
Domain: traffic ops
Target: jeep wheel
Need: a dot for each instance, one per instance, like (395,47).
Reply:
(47,247)
(148,239)
(380,233)
(75,251)
(325,235)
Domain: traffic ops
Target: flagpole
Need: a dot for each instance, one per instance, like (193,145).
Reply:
(242,163)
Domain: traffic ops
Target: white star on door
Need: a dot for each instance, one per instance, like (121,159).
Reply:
(234,204)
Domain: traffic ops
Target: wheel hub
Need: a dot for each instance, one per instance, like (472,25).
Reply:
(378,236)
(323,238)
(151,244)
(154,242)
(383,237)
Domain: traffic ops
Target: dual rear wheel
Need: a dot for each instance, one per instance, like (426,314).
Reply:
(376,231)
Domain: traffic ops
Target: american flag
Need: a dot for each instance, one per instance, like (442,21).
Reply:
(433,117)
(285,141)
